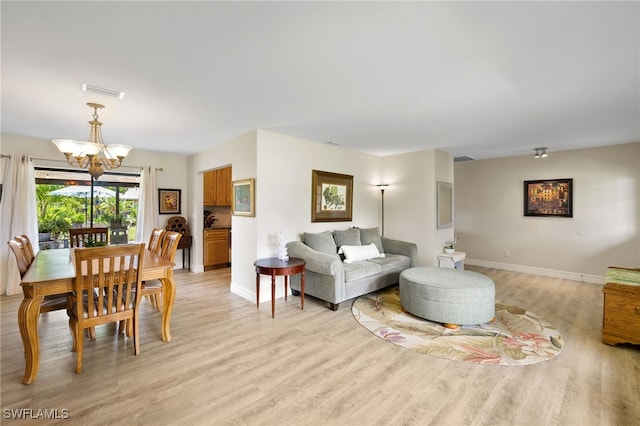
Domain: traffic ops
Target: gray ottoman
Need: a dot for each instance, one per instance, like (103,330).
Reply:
(448,296)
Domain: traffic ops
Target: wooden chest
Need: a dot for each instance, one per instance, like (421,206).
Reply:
(621,316)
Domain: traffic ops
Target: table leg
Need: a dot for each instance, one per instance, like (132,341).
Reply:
(28,322)
(168,295)
(273,295)
(286,285)
(257,290)
(302,290)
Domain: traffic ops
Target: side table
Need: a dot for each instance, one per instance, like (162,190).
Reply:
(453,260)
(274,266)
(185,244)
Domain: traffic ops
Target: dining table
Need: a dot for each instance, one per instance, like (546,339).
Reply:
(53,272)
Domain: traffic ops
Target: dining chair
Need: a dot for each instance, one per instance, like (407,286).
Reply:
(168,248)
(28,247)
(155,240)
(86,237)
(107,289)
(23,251)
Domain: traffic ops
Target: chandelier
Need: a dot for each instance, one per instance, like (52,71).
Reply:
(93,154)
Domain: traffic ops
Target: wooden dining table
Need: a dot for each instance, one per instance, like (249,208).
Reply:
(53,272)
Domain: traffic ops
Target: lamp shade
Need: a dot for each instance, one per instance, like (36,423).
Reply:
(118,150)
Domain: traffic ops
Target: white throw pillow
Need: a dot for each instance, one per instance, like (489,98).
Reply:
(359,253)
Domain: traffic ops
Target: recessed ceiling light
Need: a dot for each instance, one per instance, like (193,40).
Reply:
(86,87)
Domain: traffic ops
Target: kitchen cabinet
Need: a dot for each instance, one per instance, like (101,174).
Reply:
(209,195)
(216,247)
(217,187)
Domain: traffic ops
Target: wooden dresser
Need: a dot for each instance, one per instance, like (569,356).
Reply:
(621,316)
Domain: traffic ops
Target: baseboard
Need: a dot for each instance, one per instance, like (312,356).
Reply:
(243,292)
(575,276)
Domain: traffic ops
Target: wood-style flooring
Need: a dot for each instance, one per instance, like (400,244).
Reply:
(232,364)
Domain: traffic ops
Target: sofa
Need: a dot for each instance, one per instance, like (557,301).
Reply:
(344,264)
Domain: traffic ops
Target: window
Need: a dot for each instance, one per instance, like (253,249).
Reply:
(66,199)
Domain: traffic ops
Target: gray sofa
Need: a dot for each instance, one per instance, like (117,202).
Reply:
(336,277)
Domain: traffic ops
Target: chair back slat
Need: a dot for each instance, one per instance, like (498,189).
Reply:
(155,240)
(83,237)
(170,245)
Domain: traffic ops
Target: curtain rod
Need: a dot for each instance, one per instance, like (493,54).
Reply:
(159,169)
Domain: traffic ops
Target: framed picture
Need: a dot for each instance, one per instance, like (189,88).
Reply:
(243,202)
(548,197)
(331,197)
(169,201)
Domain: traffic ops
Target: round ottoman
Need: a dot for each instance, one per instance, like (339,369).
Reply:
(448,296)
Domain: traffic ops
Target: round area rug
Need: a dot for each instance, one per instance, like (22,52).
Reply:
(514,337)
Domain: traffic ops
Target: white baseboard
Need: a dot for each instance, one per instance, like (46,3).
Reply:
(243,292)
(575,276)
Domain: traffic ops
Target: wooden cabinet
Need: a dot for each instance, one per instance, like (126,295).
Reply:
(217,187)
(621,319)
(216,247)
(209,196)
(223,187)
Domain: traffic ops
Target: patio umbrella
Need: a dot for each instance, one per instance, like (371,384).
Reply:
(84,191)
(131,194)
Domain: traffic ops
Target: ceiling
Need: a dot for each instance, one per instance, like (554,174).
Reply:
(477,79)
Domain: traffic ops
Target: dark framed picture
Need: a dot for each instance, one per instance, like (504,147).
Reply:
(331,197)
(552,197)
(169,201)
(243,202)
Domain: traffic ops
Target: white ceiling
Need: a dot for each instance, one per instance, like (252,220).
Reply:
(481,79)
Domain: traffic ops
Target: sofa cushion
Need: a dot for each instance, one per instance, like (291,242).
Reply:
(371,235)
(349,237)
(322,242)
(359,253)
(393,261)
(357,270)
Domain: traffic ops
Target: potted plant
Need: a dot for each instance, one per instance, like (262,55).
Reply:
(450,246)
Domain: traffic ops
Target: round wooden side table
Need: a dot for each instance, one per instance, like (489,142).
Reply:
(273,266)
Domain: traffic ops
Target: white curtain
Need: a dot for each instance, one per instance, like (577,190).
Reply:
(17,216)
(147,204)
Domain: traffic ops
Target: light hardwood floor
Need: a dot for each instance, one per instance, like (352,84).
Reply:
(231,364)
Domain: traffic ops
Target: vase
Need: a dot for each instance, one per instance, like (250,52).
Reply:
(449,250)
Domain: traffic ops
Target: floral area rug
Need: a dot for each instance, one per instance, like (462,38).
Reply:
(514,337)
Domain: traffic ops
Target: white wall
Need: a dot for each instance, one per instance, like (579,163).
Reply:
(604,230)
(410,200)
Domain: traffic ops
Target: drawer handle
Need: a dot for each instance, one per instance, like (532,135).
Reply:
(637,309)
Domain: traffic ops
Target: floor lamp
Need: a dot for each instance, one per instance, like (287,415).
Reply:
(382,187)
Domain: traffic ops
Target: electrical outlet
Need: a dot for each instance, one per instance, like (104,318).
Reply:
(507,253)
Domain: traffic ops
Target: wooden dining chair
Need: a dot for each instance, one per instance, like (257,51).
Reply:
(155,240)
(23,251)
(27,246)
(107,289)
(85,237)
(168,248)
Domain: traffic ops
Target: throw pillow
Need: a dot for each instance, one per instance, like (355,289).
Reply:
(322,242)
(359,253)
(349,237)
(371,235)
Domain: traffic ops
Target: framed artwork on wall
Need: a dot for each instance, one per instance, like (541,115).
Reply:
(331,197)
(169,201)
(243,202)
(551,197)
